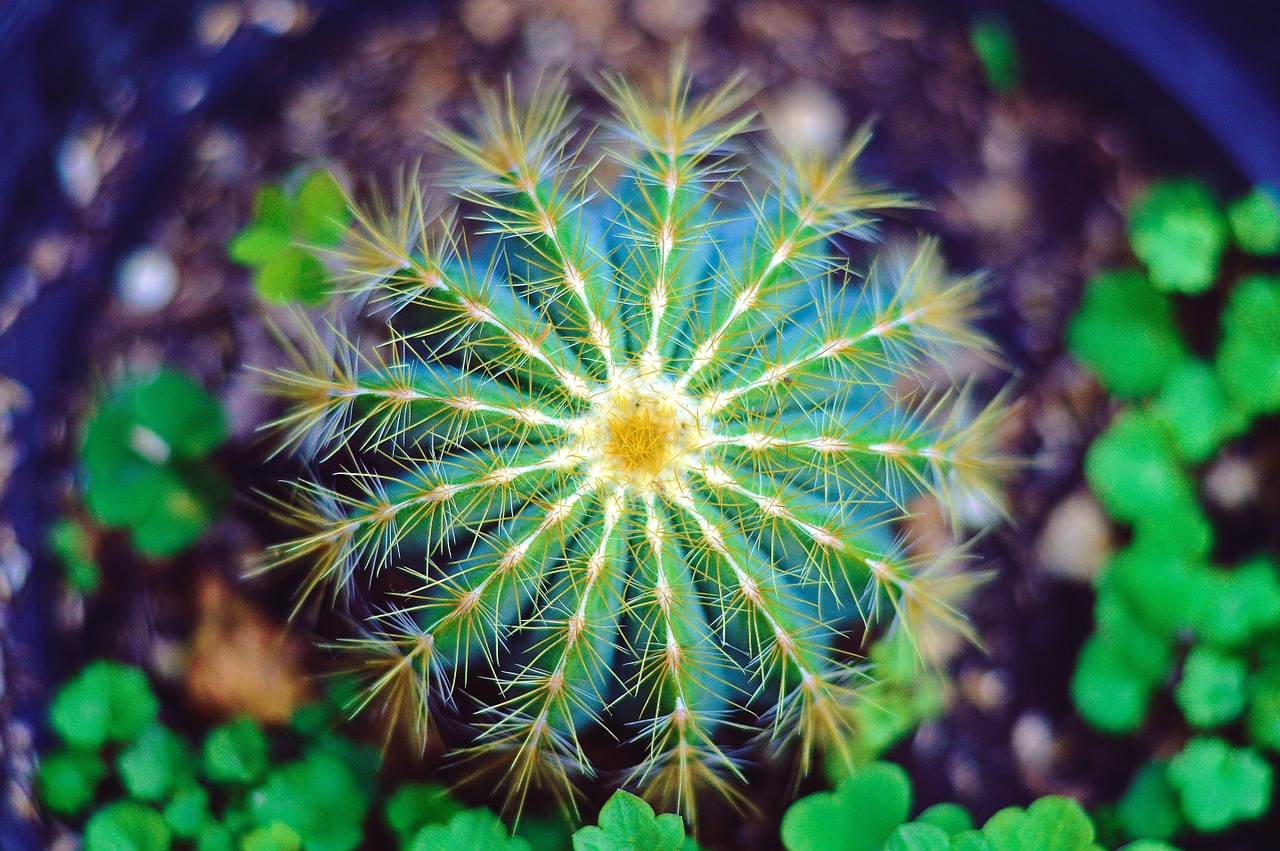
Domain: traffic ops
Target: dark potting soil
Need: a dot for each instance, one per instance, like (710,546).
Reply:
(1029,187)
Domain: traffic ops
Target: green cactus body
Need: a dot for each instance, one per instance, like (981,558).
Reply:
(638,450)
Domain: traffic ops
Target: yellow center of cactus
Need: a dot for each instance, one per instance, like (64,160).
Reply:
(642,430)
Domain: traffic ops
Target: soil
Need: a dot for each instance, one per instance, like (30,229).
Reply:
(1028,187)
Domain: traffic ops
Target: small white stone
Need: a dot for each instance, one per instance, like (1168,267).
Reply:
(15,564)
(1076,539)
(1033,743)
(186,90)
(277,17)
(808,118)
(78,171)
(147,280)
(217,24)
(1231,483)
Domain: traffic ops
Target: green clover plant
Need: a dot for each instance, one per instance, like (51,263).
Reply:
(146,461)
(1170,624)
(1179,233)
(869,811)
(136,783)
(289,230)
(994,43)
(72,545)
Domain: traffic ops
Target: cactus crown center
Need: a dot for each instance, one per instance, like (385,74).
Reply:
(642,431)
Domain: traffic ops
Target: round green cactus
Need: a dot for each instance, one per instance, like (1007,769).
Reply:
(638,438)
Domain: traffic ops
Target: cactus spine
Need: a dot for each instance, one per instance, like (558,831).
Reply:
(638,449)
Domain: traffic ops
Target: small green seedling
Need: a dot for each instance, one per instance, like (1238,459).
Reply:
(1133,469)
(127,826)
(1219,785)
(868,811)
(1248,359)
(146,461)
(469,830)
(156,765)
(1197,411)
(1179,233)
(627,823)
(235,754)
(236,795)
(416,805)
(1213,687)
(996,47)
(1150,807)
(69,779)
(107,703)
(188,810)
(72,545)
(319,798)
(1124,332)
(282,242)
(858,816)
(1255,222)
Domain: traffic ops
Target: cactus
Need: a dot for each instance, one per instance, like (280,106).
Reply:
(635,442)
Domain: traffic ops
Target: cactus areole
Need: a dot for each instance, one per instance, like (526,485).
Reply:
(635,436)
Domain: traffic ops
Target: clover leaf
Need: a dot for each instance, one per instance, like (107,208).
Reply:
(321,206)
(1109,692)
(274,837)
(951,818)
(1212,689)
(993,42)
(156,764)
(1239,605)
(1198,411)
(280,243)
(216,837)
(1148,652)
(1219,785)
(858,816)
(1149,806)
(235,754)
(69,779)
(918,837)
(1177,230)
(145,461)
(1049,824)
(1263,720)
(471,830)
(105,702)
(70,543)
(628,823)
(415,805)
(1248,359)
(1124,332)
(319,798)
(1133,470)
(1162,584)
(1255,222)
(187,811)
(127,826)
